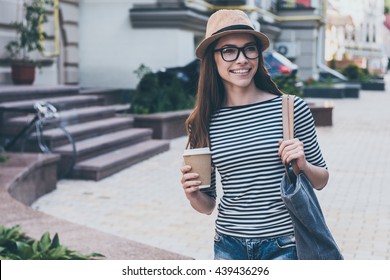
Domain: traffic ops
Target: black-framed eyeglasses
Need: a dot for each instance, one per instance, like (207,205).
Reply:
(230,54)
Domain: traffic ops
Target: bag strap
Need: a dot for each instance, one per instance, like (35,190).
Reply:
(288,123)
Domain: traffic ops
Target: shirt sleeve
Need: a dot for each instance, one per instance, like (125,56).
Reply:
(305,131)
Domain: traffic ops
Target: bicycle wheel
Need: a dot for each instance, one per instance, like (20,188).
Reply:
(37,141)
(68,159)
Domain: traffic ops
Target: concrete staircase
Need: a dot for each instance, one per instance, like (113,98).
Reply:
(106,140)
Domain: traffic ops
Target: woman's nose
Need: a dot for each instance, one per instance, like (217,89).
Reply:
(241,57)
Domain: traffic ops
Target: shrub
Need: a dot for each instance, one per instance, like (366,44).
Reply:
(3,158)
(289,84)
(155,95)
(16,245)
(353,72)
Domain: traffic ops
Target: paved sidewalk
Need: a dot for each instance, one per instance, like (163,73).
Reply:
(145,202)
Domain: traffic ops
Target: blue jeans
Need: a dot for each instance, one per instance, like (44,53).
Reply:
(237,248)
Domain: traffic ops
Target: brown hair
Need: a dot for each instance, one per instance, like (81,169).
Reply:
(211,95)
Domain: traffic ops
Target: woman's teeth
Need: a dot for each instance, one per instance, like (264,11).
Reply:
(240,71)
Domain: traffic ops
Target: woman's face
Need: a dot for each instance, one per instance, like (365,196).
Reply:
(238,73)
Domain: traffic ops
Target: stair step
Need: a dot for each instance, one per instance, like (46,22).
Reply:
(14,93)
(81,131)
(61,103)
(107,164)
(111,95)
(77,115)
(105,143)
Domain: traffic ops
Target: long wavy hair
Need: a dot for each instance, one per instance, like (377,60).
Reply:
(211,95)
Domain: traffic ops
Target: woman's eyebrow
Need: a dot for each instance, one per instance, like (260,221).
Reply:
(232,45)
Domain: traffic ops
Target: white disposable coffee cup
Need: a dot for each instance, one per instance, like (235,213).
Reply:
(200,161)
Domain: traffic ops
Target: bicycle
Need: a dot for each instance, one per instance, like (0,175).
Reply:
(45,116)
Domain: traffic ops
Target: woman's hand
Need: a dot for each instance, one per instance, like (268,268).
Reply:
(188,180)
(290,150)
(199,201)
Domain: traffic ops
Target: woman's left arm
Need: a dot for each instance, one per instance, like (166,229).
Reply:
(290,150)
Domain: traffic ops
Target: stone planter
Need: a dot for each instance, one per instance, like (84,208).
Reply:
(378,84)
(323,116)
(352,90)
(35,175)
(165,125)
(349,90)
(331,91)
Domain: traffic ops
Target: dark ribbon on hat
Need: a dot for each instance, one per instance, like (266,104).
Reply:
(234,27)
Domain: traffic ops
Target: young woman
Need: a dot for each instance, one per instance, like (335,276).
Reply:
(238,115)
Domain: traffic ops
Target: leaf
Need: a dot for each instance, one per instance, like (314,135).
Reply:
(24,250)
(56,242)
(58,253)
(45,242)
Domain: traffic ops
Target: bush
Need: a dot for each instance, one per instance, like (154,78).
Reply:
(15,245)
(289,84)
(3,158)
(355,73)
(352,72)
(154,95)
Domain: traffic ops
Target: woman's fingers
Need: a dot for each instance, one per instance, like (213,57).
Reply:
(291,150)
(185,169)
(188,180)
(191,186)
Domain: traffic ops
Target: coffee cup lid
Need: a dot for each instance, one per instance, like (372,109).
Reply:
(199,151)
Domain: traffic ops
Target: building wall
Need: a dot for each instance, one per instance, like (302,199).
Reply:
(10,10)
(362,39)
(111,49)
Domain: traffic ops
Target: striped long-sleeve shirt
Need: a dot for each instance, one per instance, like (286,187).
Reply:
(244,146)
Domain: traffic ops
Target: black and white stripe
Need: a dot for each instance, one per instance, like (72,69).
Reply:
(244,146)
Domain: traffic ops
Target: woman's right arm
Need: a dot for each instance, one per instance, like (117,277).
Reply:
(200,201)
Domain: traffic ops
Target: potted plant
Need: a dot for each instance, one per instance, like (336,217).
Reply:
(28,40)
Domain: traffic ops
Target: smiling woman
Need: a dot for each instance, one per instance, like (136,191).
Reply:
(238,115)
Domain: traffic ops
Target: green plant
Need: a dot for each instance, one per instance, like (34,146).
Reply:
(154,95)
(16,245)
(3,158)
(355,73)
(312,82)
(289,84)
(28,32)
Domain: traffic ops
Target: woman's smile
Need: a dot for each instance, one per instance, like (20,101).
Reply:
(240,71)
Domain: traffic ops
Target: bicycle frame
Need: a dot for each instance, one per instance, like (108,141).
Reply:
(44,112)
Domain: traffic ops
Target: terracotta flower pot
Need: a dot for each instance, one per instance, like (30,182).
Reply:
(23,73)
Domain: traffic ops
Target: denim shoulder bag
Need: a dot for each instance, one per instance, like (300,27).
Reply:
(314,240)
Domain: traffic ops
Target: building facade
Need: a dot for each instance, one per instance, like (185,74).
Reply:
(355,34)
(61,61)
(103,42)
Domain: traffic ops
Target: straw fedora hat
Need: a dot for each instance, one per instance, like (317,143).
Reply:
(225,22)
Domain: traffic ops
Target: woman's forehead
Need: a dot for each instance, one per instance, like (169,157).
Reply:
(235,39)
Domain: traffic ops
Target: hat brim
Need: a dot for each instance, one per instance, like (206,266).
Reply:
(202,47)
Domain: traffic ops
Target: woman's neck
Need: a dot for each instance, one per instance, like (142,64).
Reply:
(245,96)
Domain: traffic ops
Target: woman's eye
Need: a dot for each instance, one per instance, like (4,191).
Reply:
(229,50)
(251,49)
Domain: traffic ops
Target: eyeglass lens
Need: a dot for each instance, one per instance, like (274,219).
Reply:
(231,53)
